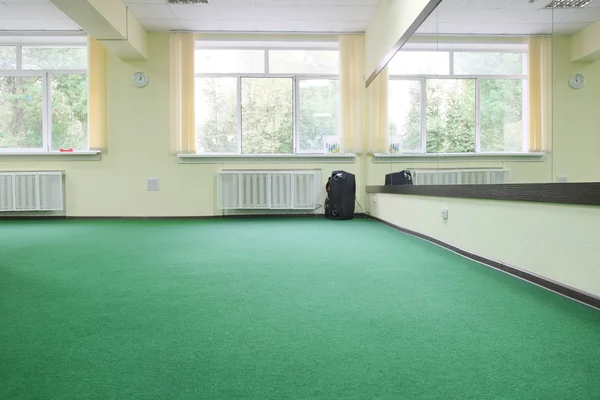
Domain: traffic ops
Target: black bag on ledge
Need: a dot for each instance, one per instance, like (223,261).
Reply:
(399,178)
(341,195)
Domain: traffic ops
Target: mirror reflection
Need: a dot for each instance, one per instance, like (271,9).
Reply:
(496,92)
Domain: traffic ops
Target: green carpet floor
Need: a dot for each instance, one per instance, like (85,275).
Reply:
(275,309)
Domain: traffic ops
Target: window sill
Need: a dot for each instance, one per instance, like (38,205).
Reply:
(88,155)
(386,158)
(262,158)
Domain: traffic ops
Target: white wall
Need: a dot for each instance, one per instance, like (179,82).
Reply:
(558,242)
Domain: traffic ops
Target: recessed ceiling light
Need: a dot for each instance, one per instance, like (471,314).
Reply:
(568,4)
(188,1)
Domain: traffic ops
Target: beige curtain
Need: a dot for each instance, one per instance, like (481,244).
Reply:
(352,92)
(540,92)
(97,114)
(377,128)
(183,125)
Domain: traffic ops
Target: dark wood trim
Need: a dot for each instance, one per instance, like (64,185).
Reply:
(429,8)
(204,217)
(251,216)
(30,217)
(241,216)
(559,193)
(566,291)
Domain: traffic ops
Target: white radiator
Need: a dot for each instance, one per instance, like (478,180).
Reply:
(31,191)
(269,190)
(460,176)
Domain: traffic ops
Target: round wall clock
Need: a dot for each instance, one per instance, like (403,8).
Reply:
(577,81)
(140,79)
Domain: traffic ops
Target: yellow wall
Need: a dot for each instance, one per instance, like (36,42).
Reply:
(139,146)
(534,237)
(576,119)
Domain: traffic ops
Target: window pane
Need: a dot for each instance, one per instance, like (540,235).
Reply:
(404,104)
(55,57)
(450,115)
(8,57)
(319,113)
(216,115)
(501,102)
(69,111)
(21,123)
(229,61)
(267,116)
(304,61)
(489,63)
(420,63)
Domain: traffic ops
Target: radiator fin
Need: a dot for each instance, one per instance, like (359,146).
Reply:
(31,191)
(50,192)
(26,192)
(461,177)
(228,185)
(304,193)
(255,189)
(274,190)
(6,192)
(281,191)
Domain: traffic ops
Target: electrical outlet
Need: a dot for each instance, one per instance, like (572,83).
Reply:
(444,213)
(374,199)
(562,179)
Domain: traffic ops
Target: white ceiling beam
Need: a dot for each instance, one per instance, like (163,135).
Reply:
(394,22)
(109,22)
(585,44)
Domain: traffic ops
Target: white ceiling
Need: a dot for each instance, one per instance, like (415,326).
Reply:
(219,15)
(489,17)
(256,15)
(33,15)
(508,17)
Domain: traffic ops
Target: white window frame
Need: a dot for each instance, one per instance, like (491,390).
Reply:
(296,78)
(452,49)
(46,96)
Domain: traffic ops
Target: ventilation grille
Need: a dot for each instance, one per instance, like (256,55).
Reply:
(268,190)
(461,177)
(568,4)
(31,191)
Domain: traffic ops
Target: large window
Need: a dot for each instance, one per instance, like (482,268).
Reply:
(43,98)
(458,101)
(266,101)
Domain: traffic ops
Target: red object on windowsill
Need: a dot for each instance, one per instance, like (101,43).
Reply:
(66,150)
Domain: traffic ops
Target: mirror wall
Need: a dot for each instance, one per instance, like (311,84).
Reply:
(486,92)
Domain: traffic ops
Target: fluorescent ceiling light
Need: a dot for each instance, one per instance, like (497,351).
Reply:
(188,1)
(568,4)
